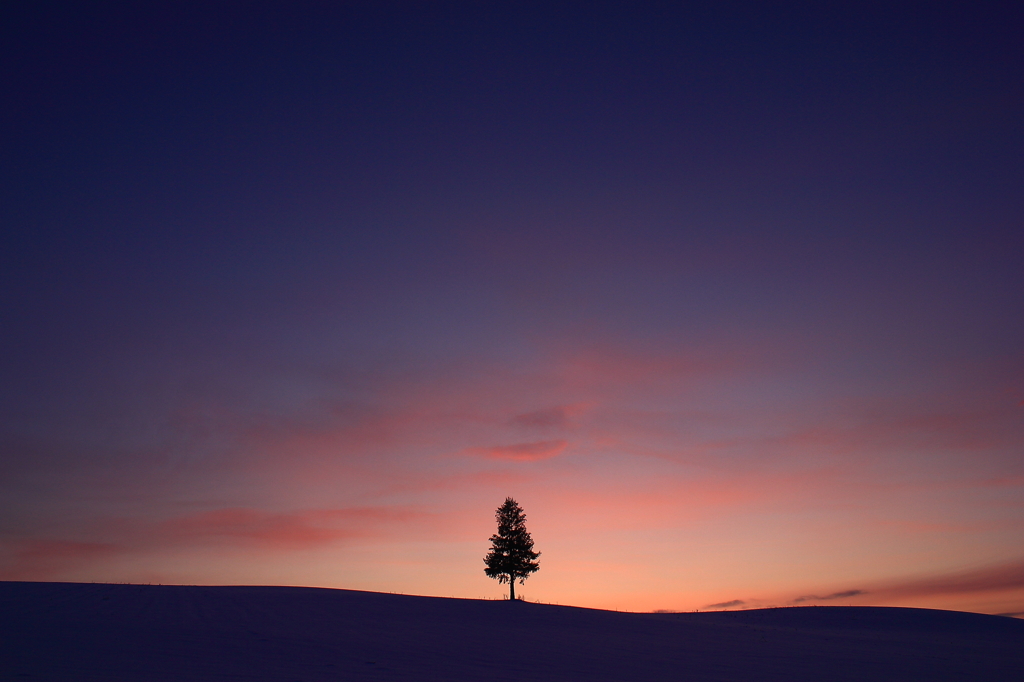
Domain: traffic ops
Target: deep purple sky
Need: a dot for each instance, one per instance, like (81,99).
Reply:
(730,300)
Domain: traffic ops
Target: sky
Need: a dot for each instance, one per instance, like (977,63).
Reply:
(729,299)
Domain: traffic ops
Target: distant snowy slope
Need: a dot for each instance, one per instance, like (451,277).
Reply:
(61,631)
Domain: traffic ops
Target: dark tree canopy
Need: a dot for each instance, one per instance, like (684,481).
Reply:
(511,556)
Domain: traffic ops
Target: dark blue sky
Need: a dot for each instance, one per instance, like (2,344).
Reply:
(263,266)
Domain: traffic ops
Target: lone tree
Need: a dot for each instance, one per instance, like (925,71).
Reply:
(511,556)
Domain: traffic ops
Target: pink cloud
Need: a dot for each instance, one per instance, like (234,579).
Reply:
(252,526)
(524,452)
(41,558)
(61,550)
(275,530)
(649,505)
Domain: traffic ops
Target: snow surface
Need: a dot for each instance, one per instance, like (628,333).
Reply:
(64,631)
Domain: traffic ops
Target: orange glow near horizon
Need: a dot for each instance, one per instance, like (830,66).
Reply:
(643,488)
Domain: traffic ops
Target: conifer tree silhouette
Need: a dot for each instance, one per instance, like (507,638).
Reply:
(511,556)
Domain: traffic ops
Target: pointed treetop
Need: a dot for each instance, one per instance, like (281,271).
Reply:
(511,556)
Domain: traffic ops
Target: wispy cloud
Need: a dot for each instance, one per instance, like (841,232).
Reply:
(1008,576)
(554,417)
(273,530)
(246,528)
(874,430)
(991,579)
(846,594)
(726,604)
(524,452)
(255,527)
(42,558)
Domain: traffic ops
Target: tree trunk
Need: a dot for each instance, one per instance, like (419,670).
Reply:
(512,587)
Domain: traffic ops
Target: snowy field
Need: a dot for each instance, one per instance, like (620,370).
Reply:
(61,631)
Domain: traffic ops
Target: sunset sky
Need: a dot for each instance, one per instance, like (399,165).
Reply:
(731,301)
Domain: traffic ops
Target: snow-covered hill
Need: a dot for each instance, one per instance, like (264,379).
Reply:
(61,631)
